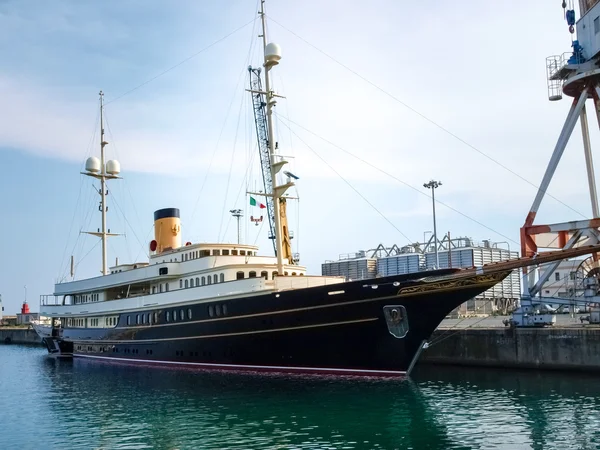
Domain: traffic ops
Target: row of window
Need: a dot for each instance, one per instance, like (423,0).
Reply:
(86,298)
(150,318)
(102,322)
(143,319)
(216,252)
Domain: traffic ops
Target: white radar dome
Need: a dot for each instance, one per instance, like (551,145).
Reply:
(272,54)
(92,164)
(113,167)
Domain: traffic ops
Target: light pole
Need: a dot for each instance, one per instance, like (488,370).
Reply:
(237,213)
(433,185)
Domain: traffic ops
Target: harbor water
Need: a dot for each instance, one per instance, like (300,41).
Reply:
(58,404)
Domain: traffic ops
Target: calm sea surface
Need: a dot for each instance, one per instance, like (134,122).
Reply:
(49,404)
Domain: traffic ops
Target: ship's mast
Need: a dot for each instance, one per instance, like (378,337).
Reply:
(103,185)
(102,170)
(272,54)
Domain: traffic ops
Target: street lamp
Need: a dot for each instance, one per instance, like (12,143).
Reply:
(237,213)
(433,185)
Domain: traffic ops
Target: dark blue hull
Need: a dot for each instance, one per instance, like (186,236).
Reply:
(328,329)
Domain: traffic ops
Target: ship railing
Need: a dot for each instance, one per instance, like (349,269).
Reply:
(54,300)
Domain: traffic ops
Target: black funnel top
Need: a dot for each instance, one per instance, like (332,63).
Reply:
(166,212)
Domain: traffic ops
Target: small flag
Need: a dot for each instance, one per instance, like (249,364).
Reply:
(253,202)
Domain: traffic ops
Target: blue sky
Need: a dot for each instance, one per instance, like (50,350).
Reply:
(477,70)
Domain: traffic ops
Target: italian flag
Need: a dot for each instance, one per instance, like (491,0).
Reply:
(253,202)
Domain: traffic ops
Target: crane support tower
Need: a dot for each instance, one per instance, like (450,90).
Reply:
(575,74)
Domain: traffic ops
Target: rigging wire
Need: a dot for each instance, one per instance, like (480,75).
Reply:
(423,116)
(181,62)
(216,147)
(237,128)
(403,182)
(350,185)
(64,263)
(235,91)
(124,181)
(84,256)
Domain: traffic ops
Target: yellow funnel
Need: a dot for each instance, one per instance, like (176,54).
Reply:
(167,229)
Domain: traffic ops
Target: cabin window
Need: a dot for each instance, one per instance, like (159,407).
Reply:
(209,280)
(211,311)
(167,287)
(137,319)
(264,275)
(224,309)
(234,252)
(216,252)
(154,289)
(286,274)
(196,254)
(189,311)
(274,275)
(252,274)
(191,282)
(168,316)
(181,314)
(180,284)
(174,315)
(225,252)
(197,281)
(184,257)
(186,284)
(239,276)
(222,278)
(293,274)
(128,320)
(204,253)
(215,278)
(203,281)
(242,252)
(218,310)
(301,274)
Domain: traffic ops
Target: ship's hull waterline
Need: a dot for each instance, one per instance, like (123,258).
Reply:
(342,330)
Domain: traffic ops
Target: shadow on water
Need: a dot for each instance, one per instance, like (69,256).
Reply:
(82,404)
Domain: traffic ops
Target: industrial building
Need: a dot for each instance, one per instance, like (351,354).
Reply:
(464,252)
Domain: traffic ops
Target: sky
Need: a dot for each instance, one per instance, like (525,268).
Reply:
(415,90)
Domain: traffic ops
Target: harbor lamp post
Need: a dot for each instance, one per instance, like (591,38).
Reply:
(433,185)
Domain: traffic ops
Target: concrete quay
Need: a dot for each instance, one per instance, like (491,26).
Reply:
(569,345)
(19,335)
